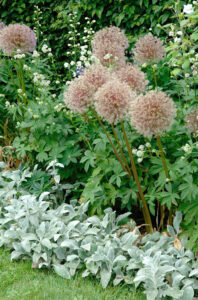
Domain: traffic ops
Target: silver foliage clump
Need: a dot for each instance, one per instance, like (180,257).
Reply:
(67,239)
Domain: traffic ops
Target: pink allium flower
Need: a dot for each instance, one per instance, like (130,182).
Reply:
(110,41)
(133,76)
(96,76)
(152,113)
(112,100)
(192,122)
(17,36)
(78,96)
(149,49)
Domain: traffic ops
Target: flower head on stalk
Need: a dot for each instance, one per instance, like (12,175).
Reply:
(113,99)
(17,37)
(95,76)
(133,76)
(149,49)
(192,122)
(153,113)
(78,96)
(111,42)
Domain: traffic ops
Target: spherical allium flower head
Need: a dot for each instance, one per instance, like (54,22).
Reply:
(152,113)
(113,99)
(17,36)
(96,76)
(133,76)
(149,49)
(78,96)
(192,122)
(108,45)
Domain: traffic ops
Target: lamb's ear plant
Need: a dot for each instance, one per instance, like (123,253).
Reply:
(66,239)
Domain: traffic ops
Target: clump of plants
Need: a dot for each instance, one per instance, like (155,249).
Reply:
(66,239)
(116,92)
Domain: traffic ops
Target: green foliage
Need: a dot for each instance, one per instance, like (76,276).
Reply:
(66,239)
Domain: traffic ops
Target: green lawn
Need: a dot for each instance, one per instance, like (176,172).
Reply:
(18,281)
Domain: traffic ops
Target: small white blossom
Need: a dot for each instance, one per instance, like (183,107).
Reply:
(148,145)
(140,153)
(66,65)
(188,9)
(140,160)
(19,91)
(177,40)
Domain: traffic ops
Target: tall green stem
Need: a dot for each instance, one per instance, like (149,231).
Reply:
(119,146)
(113,147)
(154,76)
(146,212)
(166,172)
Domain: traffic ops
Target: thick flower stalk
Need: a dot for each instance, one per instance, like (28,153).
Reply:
(153,113)
(133,76)
(17,37)
(113,100)
(192,122)
(149,49)
(109,45)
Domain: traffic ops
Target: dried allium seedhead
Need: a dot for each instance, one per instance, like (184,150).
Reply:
(152,113)
(110,41)
(192,122)
(78,96)
(96,76)
(113,99)
(133,76)
(149,49)
(17,36)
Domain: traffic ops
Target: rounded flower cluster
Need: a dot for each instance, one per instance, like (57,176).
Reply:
(113,99)
(78,96)
(152,113)
(17,37)
(192,122)
(108,45)
(133,76)
(149,49)
(96,76)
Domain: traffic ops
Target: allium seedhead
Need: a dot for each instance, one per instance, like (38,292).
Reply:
(192,122)
(78,96)
(108,46)
(113,99)
(17,36)
(149,49)
(96,76)
(152,113)
(133,76)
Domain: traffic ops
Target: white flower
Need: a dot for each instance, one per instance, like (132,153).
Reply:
(79,63)
(72,63)
(140,153)
(140,160)
(19,91)
(134,151)
(179,32)
(57,81)
(141,147)
(50,54)
(171,33)
(66,65)
(177,40)
(187,148)
(87,64)
(188,9)
(187,75)
(35,54)
(44,48)
(194,73)
(148,145)
(7,103)
(54,96)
